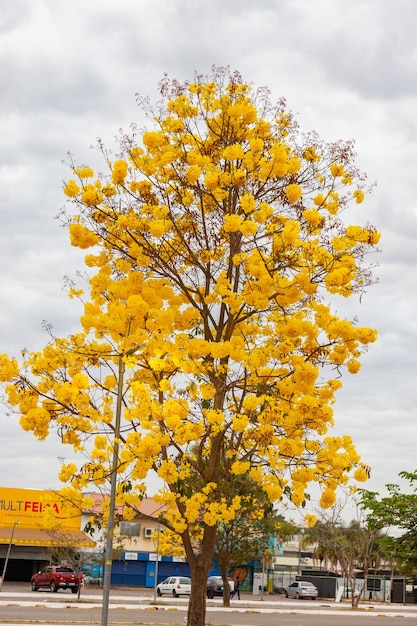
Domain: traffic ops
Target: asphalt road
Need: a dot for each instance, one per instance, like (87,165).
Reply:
(19,605)
(27,615)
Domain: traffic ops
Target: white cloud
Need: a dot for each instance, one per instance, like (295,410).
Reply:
(69,75)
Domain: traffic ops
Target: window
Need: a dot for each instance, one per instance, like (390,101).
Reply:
(373,584)
(64,569)
(130,529)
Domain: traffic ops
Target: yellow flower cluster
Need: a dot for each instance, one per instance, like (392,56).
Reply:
(91,196)
(293,192)
(71,189)
(9,368)
(119,172)
(359,196)
(81,236)
(310,520)
(84,172)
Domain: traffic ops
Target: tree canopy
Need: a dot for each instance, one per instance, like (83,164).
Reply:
(213,240)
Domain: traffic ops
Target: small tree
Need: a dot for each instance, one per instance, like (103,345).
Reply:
(354,548)
(253,533)
(214,238)
(63,551)
(396,511)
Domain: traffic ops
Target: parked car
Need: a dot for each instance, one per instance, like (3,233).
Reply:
(175,586)
(215,586)
(57,577)
(302,589)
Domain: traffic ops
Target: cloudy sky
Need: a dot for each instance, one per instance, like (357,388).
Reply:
(69,74)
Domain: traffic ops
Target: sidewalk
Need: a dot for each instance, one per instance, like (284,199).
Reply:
(135,598)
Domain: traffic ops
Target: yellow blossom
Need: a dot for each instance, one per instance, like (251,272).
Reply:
(91,196)
(353,366)
(359,195)
(240,467)
(319,199)
(119,172)
(82,237)
(240,423)
(8,368)
(337,170)
(248,228)
(211,179)
(192,174)
(158,228)
(294,165)
(233,153)
(153,140)
(313,217)
(232,223)
(360,475)
(293,192)
(67,472)
(84,172)
(247,203)
(109,190)
(71,189)
(310,154)
(327,499)
(310,520)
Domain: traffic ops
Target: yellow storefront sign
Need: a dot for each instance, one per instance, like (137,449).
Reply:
(34,508)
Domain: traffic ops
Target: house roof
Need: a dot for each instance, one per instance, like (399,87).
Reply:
(147,507)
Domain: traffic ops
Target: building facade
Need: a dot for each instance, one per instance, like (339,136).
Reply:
(35,525)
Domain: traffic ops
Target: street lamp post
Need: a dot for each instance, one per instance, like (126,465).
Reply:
(156,566)
(300,540)
(108,560)
(8,554)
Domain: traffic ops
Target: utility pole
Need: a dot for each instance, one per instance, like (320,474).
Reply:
(7,555)
(108,557)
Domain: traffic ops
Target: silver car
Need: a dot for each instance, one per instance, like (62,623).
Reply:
(175,586)
(302,589)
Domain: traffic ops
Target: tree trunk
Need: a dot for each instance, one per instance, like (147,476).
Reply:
(224,570)
(356,598)
(200,567)
(197,604)
(391,580)
(356,593)
(352,583)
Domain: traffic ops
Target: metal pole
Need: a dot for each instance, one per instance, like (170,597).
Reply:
(7,555)
(113,485)
(300,539)
(156,565)
(263,576)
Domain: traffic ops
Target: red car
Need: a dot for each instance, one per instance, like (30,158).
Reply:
(56,577)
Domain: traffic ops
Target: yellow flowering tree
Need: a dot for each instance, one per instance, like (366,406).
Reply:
(214,239)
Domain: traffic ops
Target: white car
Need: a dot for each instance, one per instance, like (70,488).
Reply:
(175,586)
(302,589)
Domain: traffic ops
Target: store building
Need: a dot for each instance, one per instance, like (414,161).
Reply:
(35,525)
